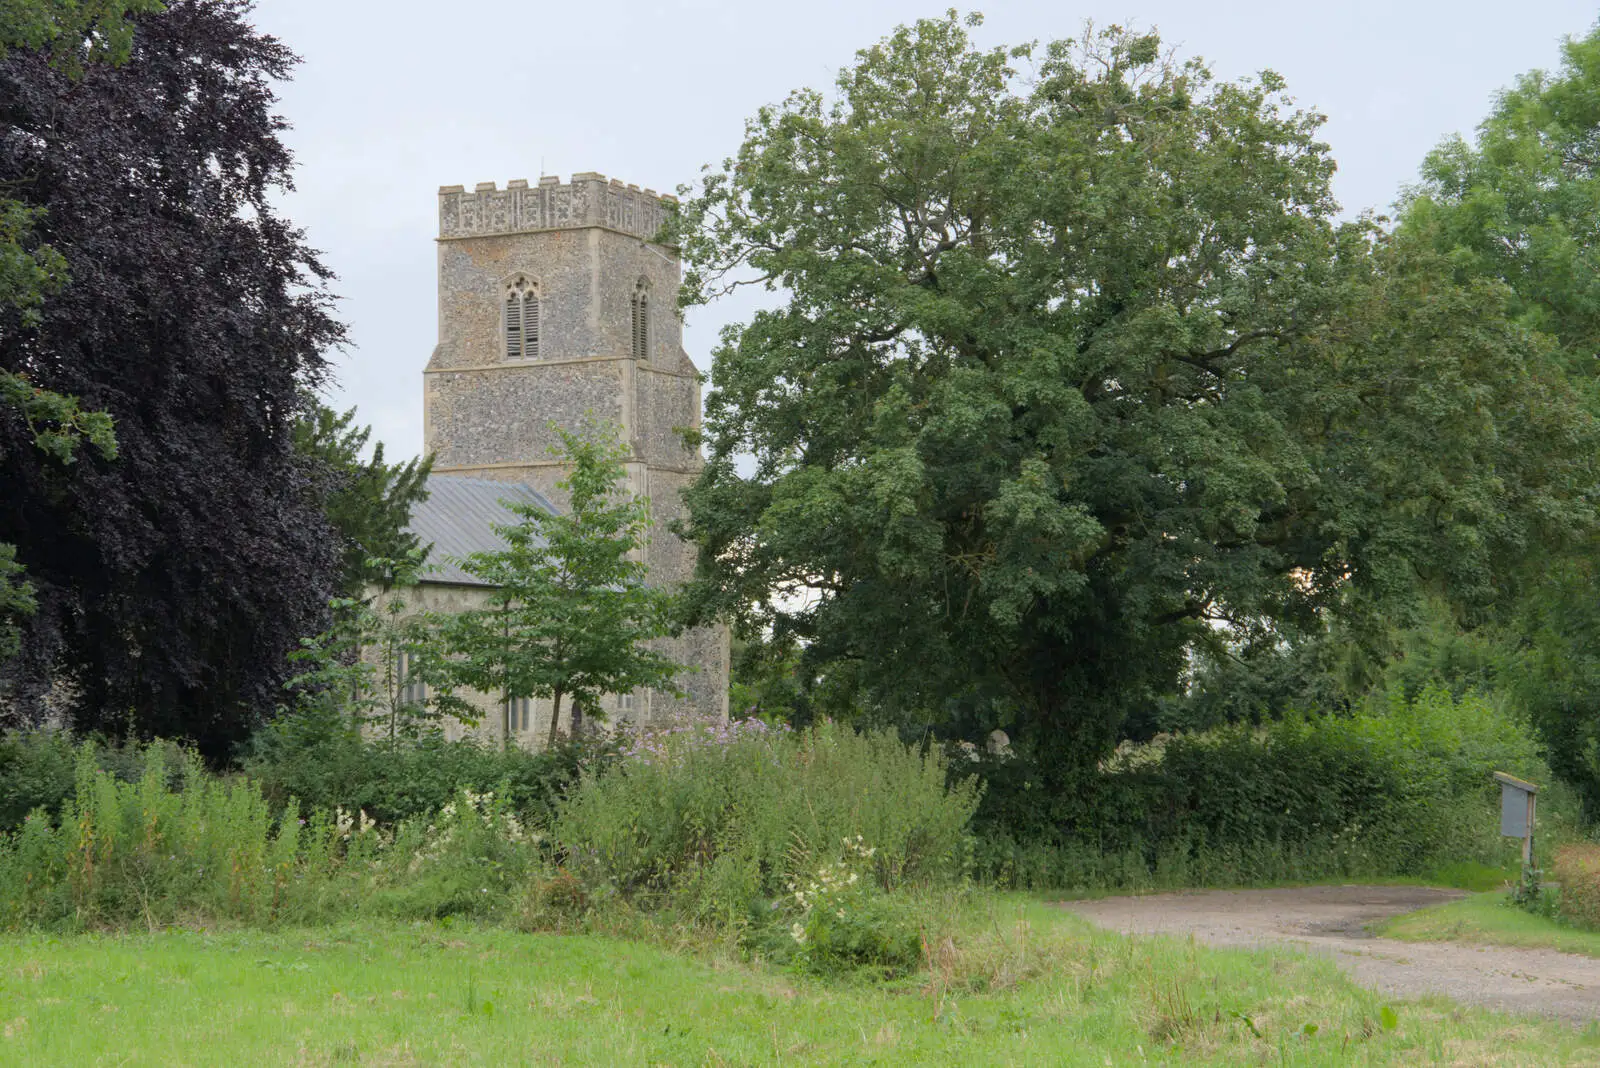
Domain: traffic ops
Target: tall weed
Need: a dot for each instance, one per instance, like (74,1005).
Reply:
(720,818)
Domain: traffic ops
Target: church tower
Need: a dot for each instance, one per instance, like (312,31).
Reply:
(555,300)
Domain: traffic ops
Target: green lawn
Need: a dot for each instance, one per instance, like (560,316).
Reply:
(1488,919)
(1022,983)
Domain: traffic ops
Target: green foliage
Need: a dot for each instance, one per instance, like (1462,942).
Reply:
(145,853)
(356,671)
(324,762)
(55,421)
(1071,367)
(368,501)
(1398,790)
(764,681)
(179,844)
(28,271)
(73,31)
(1553,671)
(1530,894)
(466,859)
(840,921)
(569,609)
(38,769)
(16,600)
(718,821)
(1521,204)
(1577,869)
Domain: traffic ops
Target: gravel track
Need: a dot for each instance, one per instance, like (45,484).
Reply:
(1333,920)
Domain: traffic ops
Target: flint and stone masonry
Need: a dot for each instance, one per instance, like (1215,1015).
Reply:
(599,334)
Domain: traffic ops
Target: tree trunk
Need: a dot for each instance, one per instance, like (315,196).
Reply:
(555,719)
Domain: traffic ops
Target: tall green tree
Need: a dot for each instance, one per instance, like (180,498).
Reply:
(570,611)
(1519,204)
(1073,373)
(367,499)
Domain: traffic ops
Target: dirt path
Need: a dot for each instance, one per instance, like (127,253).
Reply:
(1332,920)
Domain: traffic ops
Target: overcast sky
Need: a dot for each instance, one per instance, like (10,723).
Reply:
(397,98)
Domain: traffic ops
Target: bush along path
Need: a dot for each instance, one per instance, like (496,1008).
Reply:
(1334,921)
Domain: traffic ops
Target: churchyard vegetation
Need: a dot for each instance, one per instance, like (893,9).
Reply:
(452,931)
(170,582)
(569,614)
(1074,375)
(1402,789)
(1096,512)
(367,499)
(354,674)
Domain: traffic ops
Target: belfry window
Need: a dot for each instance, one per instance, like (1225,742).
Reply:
(522,321)
(641,322)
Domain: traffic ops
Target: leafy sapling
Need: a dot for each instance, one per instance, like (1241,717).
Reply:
(570,611)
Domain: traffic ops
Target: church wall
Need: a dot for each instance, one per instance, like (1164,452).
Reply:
(671,559)
(666,404)
(472,277)
(482,418)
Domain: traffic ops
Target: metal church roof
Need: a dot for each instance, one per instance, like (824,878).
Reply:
(458,517)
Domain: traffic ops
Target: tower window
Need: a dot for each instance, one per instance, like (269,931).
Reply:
(641,322)
(522,321)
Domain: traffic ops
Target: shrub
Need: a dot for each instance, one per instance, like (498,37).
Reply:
(837,919)
(1392,791)
(324,762)
(465,860)
(210,850)
(720,818)
(1577,871)
(38,768)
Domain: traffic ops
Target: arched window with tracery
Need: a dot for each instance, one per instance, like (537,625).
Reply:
(641,321)
(522,320)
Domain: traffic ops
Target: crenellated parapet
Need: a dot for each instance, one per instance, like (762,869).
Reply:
(588,200)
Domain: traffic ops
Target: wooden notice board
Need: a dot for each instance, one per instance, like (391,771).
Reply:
(1517,797)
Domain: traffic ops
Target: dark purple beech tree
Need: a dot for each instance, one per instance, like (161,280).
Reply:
(172,579)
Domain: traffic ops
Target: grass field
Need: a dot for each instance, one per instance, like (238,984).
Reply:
(1488,919)
(1019,983)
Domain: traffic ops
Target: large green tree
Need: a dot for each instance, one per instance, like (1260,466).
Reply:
(570,612)
(1073,372)
(1519,204)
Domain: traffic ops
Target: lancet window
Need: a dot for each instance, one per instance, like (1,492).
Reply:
(641,322)
(522,320)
